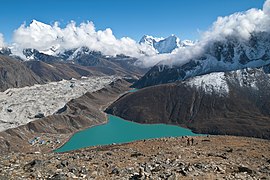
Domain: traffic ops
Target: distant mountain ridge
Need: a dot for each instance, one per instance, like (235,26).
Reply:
(95,60)
(14,73)
(165,45)
(219,56)
(42,68)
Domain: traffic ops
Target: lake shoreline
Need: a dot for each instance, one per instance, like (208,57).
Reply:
(118,131)
(107,116)
(102,109)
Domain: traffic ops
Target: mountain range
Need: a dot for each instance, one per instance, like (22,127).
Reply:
(228,54)
(61,82)
(36,67)
(54,65)
(224,89)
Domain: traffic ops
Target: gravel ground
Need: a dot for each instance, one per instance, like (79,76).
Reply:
(214,157)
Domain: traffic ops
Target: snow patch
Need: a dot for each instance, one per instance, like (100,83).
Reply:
(211,83)
(217,82)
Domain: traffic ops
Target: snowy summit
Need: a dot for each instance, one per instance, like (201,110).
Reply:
(165,45)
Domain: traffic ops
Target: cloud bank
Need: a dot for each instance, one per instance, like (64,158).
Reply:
(42,37)
(2,42)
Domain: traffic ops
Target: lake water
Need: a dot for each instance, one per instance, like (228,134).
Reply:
(118,130)
(133,90)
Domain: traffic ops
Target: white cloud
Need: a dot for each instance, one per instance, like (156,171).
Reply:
(238,24)
(266,7)
(2,42)
(42,37)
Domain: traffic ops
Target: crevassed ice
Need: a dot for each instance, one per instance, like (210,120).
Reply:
(18,106)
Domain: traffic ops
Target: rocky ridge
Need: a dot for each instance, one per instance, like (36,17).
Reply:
(89,59)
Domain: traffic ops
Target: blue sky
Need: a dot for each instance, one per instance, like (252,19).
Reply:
(133,18)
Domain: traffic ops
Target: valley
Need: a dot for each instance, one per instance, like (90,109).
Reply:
(137,91)
(78,114)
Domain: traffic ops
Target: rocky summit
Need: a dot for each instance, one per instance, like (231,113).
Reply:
(214,157)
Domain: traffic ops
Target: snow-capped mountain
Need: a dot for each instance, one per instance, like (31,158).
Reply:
(5,51)
(33,54)
(218,56)
(52,40)
(84,57)
(149,40)
(165,45)
(54,54)
(71,55)
(187,43)
(83,52)
(221,83)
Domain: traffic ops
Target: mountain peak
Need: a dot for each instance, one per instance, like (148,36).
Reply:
(149,40)
(162,45)
(37,24)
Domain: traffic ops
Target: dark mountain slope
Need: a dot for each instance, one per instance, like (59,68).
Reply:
(235,103)
(14,73)
(58,71)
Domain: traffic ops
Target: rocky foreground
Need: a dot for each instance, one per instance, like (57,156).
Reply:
(215,157)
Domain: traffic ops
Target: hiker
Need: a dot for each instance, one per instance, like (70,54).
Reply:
(188,142)
(192,141)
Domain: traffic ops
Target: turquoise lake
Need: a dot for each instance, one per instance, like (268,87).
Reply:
(118,130)
(133,90)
